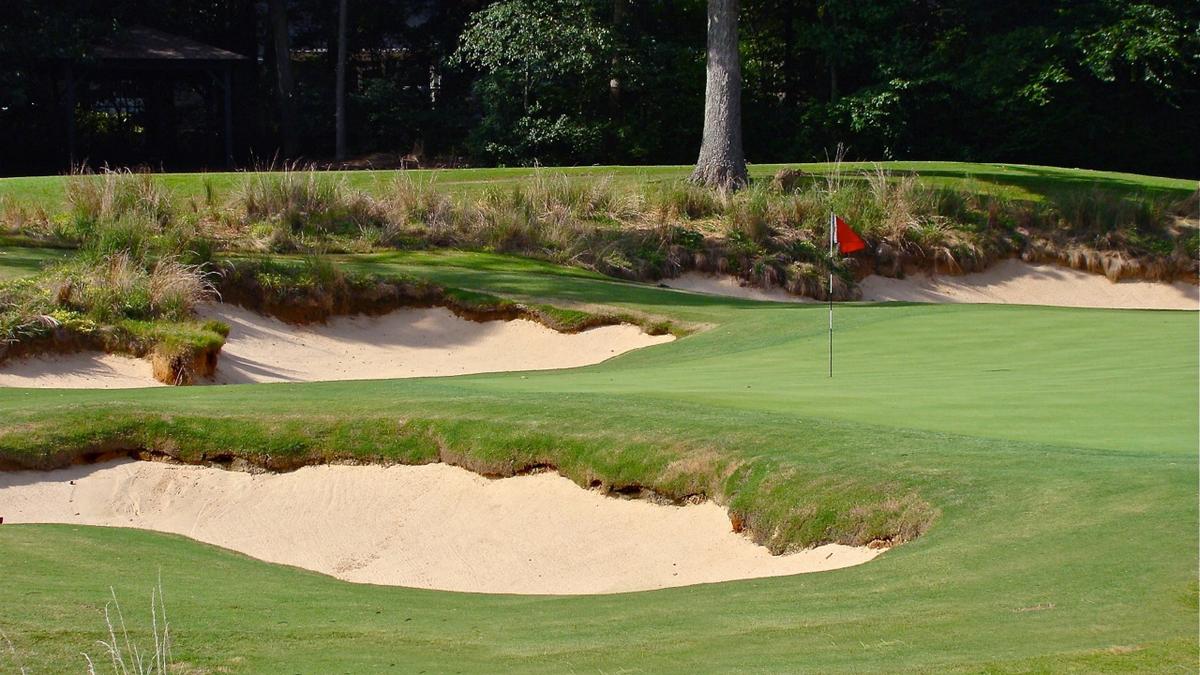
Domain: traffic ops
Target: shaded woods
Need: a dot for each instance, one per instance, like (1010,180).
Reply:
(1092,83)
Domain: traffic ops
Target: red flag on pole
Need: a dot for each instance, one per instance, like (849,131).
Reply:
(847,239)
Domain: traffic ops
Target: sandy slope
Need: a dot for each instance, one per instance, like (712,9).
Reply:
(1017,282)
(433,526)
(1007,282)
(85,370)
(405,343)
(728,286)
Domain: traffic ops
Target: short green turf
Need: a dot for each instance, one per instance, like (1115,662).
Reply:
(1058,445)
(1018,181)
(19,261)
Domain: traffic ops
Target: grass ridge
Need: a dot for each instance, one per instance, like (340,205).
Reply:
(776,504)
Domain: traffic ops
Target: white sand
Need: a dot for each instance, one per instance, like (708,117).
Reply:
(433,526)
(404,343)
(1007,282)
(728,286)
(1018,282)
(84,370)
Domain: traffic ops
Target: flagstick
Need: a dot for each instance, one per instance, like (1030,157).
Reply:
(832,238)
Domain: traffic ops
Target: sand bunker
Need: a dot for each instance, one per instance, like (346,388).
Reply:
(405,343)
(85,370)
(730,287)
(1008,282)
(433,526)
(1018,282)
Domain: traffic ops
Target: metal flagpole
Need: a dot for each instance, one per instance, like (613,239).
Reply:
(832,242)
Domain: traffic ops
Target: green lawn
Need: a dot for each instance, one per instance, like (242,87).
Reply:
(17,261)
(1012,180)
(1057,445)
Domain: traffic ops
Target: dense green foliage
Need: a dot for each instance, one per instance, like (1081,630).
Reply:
(1092,83)
(1056,444)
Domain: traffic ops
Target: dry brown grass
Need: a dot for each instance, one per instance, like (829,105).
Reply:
(110,195)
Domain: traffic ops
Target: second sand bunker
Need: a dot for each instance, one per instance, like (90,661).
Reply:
(432,526)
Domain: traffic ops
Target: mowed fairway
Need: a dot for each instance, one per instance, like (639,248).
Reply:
(1059,446)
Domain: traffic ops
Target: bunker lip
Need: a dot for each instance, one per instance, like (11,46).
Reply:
(1007,282)
(431,526)
(427,342)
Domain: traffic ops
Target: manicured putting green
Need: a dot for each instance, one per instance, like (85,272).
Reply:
(1057,444)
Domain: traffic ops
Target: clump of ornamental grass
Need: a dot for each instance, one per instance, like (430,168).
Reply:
(680,200)
(306,199)
(590,199)
(114,194)
(118,286)
(413,208)
(116,301)
(18,219)
(749,215)
(1099,212)
(1188,208)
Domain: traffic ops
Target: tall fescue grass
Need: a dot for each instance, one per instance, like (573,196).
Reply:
(112,195)
(306,200)
(773,233)
(122,653)
(140,272)
(104,298)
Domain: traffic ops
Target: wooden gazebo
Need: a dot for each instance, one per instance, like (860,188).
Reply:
(158,59)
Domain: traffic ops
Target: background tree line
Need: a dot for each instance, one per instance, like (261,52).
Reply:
(1091,83)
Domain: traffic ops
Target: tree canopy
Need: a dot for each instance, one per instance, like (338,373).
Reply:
(1092,83)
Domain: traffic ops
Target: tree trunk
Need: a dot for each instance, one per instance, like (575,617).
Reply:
(722,163)
(340,94)
(283,71)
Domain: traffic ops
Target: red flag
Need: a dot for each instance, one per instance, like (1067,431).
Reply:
(848,240)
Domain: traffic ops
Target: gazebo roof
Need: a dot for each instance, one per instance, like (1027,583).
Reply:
(142,44)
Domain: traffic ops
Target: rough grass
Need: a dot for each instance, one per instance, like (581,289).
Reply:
(130,288)
(772,234)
